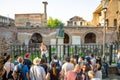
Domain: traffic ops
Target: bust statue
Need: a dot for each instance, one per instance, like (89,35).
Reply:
(60,32)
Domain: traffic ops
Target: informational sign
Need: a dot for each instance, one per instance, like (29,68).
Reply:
(24,37)
(53,41)
(76,40)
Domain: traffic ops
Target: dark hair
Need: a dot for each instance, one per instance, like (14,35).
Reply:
(5,54)
(67,59)
(83,58)
(55,56)
(98,60)
(16,56)
(8,57)
(53,65)
(92,55)
(42,61)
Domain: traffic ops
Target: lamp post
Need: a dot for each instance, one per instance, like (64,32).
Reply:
(104,9)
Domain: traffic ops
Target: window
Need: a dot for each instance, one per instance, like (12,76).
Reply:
(81,24)
(75,23)
(115,22)
(90,38)
(107,22)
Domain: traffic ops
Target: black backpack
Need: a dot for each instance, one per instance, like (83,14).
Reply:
(19,73)
(57,64)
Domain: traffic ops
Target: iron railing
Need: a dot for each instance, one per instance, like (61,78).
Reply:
(67,50)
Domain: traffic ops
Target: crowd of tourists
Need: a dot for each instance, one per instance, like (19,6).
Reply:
(84,68)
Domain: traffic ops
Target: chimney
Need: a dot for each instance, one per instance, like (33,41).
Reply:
(45,13)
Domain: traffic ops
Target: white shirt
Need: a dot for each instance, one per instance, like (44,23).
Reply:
(8,66)
(67,66)
(37,73)
(93,61)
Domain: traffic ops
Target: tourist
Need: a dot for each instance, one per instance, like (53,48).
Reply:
(27,60)
(85,72)
(16,61)
(73,74)
(98,69)
(67,66)
(91,75)
(118,62)
(9,66)
(57,61)
(44,64)
(36,71)
(53,73)
(93,60)
(24,68)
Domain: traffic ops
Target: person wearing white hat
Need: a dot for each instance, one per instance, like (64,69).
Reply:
(36,71)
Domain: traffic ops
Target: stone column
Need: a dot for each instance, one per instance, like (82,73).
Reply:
(45,13)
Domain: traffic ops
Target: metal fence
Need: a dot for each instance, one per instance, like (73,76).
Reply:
(66,50)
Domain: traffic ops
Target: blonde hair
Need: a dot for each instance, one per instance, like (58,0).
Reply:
(36,61)
(20,59)
(73,61)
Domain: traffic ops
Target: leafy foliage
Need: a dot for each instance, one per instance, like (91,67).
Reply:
(54,22)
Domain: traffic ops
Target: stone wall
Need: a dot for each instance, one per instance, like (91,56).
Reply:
(50,33)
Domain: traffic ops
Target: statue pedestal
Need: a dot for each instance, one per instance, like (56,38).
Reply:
(60,42)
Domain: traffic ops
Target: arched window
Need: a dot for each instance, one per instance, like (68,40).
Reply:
(81,23)
(75,24)
(90,38)
(36,38)
(66,38)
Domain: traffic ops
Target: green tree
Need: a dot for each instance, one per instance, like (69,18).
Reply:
(54,22)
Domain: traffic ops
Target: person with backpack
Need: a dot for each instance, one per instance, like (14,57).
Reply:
(53,73)
(27,60)
(21,71)
(56,61)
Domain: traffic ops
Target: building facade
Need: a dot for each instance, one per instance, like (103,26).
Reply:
(29,20)
(6,21)
(112,14)
(76,21)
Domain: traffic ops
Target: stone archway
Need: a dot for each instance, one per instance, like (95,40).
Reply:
(36,38)
(66,38)
(90,38)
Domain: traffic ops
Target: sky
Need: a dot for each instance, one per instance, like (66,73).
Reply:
(60,9)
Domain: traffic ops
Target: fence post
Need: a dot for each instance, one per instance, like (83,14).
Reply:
(68,52)
(110,61)
(50,53)
(76,49)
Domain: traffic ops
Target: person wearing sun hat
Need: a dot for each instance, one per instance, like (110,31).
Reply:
(27,60)
(36,71)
